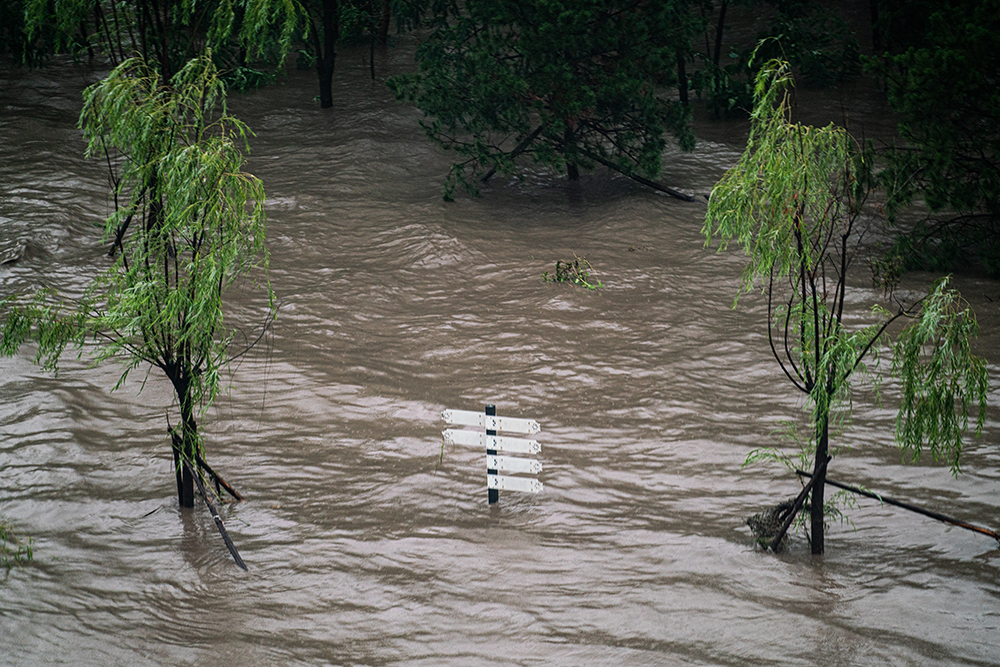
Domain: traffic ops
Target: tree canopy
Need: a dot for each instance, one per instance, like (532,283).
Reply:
(812,37)
(242,35)
(568,84)
(940,66)
(166,33)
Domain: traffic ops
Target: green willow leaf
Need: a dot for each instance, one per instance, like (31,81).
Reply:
(188,224)
(796,204)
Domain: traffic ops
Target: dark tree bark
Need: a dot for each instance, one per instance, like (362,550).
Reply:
(163,45)
(819,482)
(85,40)
(326,54)
(944,518)
(775,544)
(639,179)
(877,45)
(682,78)
(185,445)
(569,142)
(719,28)
(383,29)
(176,446)
(218,519)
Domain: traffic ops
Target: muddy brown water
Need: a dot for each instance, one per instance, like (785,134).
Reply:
(365,545)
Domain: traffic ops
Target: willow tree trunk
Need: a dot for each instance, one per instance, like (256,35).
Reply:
(186,445)
(819,475)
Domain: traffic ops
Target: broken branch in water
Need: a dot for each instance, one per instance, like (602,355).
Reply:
(218,478)
(907,506)
(637,178)
(175,443)
(218,520)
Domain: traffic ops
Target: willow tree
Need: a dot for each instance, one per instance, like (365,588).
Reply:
(797,202)
(187,224)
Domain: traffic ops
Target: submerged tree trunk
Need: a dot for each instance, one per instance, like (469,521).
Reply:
(819,482)
(186,443)
(569,151)
(719,28)
(877,45)
(383,28)
(682,78)
(325,71)
(326,54)
(176,445)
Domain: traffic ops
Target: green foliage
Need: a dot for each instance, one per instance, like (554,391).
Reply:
(13,550)
(42,320)
(243,79)
(957,243)
(13,38)
(268,27)
(788,432)
(579,272)
(566,84)
(188,223)
(796,203)
(201,219)
(788,188)
(726,89)
(166,32)
(835,505)
(359,21)
(940,72)
(812,38)
(57,22)
(941,379)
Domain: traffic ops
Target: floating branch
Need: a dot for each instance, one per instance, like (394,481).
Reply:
(579,272)
(218,479)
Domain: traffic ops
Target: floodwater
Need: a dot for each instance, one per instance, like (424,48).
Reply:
(370,545)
